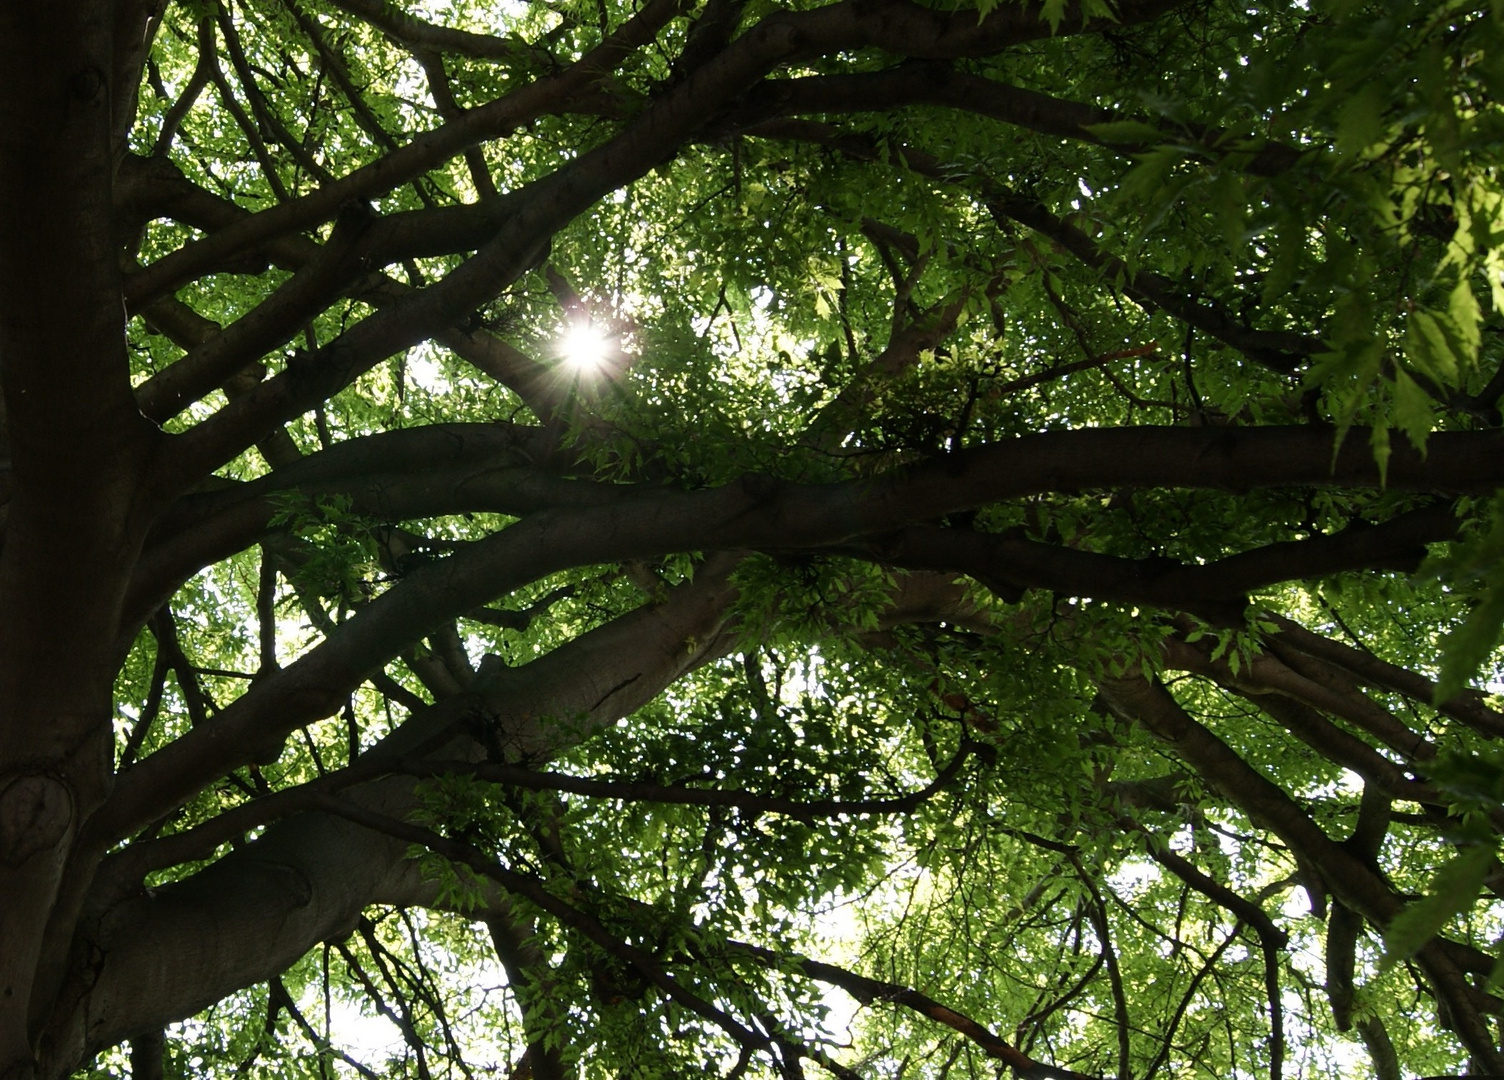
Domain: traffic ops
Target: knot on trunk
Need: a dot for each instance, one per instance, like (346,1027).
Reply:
(35,812)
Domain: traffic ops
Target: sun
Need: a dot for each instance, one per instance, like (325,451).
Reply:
(584,346)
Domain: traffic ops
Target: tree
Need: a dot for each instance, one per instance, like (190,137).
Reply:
(586,531)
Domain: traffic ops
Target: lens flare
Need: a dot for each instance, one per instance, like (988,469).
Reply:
(584,346)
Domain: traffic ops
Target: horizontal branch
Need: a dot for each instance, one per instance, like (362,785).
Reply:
(678,795)
(1009,564)
(933,83)
(416,33)
(762,513)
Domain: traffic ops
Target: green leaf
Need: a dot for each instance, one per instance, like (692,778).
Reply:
(1414,411)
(1052,11)
(1469,646)
(1360,121)
(1453,890)
(1465,317)
(1289,253)
(1428,349)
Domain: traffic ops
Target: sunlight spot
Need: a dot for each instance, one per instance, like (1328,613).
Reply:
(584,346)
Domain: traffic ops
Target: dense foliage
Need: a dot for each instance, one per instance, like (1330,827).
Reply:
(751,538)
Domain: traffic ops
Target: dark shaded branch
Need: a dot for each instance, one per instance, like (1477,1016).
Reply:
(895,25)
(402,166)
(1245,910)
(248,128)
(529,977)
(931,83)
(266,117)
(161,665)
(1267,674)
(1096,913)
(631,791)
(1217,590)
(536,892)
(1279,350)
(443,97)
(1350,879)
(1304,722)
(154,187)
(415,33)
(1469,707)
(254,725)
(1168,1039)
(203,73)
(146,1055)
(763,513)
(136,23)
(286,1003)
(335,64)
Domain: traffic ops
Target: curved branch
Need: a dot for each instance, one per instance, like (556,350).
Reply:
(898,26)
(1265,674)
(1469,707)
(167,953)
(1217,590)
(415,33)
(1303,719)
(1245,910)
(761,513)
(868,990)
(254,725)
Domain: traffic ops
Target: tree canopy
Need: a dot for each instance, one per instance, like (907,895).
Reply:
(755,538)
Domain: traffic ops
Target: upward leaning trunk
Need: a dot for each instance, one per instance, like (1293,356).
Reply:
(77,450)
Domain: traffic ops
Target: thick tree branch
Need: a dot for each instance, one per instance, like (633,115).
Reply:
(761,513)
(1351,880)
(249,915)
(1218,590)
(933,83)
(1469,707)
(415,33)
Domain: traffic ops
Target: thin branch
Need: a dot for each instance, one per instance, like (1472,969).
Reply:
(868,990)
(535,892)
(203,74)
(1162,1055)
(403,165)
